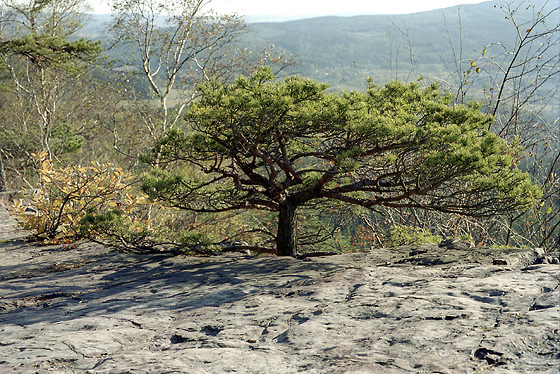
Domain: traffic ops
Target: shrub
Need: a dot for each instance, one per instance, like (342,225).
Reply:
(406,235)
(55,208)
(99,203)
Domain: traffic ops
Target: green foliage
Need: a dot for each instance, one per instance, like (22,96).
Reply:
(132,231)
(466,238)
(119,229)
(408,235)
(48,50)
(64,139)
(41,68)
(277,145)
(194,240)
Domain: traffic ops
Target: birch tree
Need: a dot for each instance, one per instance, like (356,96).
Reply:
(175,43)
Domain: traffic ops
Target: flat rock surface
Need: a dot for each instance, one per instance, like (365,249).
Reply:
(423,309)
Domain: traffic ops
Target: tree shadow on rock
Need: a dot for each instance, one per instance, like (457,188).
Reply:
(123,283)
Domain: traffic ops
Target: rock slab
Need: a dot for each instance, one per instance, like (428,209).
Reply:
(423,309)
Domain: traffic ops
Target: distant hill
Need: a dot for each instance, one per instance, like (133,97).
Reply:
(344,51)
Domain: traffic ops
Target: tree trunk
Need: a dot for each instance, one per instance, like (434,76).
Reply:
(286,235)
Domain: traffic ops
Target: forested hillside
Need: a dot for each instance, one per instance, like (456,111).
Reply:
(144,116)
(345,50)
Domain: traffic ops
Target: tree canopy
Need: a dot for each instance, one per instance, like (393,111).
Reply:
(277,145)
(48,50)
(42,65)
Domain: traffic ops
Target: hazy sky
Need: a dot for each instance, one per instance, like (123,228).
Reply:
(327,7)
(318,7)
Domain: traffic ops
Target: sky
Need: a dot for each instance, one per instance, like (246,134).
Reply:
(306,8)
(330,7)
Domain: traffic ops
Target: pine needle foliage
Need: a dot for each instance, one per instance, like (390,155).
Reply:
(274,145)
